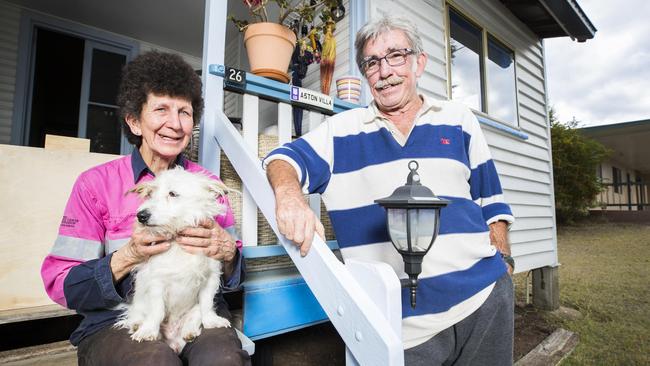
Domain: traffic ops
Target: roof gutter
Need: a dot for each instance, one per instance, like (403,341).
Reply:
(566,13)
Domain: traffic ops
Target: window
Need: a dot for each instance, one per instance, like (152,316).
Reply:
(599,173)
(502,91)
(466,45)
(617,179)
(482,70)
(72,95)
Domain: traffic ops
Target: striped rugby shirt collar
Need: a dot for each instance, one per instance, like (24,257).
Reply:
(373,114)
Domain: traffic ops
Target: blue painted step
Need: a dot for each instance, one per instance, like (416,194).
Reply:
(277,301)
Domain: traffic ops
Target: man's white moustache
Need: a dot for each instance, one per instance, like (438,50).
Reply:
(393,80)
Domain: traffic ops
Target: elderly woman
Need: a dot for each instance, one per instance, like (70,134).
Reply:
(89,267)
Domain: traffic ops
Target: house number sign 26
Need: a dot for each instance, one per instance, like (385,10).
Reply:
(235,79)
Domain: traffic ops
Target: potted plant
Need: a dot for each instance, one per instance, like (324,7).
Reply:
(270,44)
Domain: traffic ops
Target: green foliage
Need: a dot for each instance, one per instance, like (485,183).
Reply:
(575,163)
(292,13)
(302,11)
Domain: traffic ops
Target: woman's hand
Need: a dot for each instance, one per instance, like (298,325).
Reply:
(212,240)
(140,247)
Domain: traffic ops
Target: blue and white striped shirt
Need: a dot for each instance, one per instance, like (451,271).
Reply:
(353,158)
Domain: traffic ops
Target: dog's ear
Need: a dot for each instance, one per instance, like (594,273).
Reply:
(143,189)
(217,187)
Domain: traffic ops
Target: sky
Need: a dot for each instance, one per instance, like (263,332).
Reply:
(606,79)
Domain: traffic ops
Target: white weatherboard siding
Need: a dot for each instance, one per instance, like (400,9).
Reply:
(9,25)
(523,165)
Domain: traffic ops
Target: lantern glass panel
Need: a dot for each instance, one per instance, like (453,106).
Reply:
(396,220)
(423,225)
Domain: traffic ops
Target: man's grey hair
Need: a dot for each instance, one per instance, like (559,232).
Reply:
(375,28)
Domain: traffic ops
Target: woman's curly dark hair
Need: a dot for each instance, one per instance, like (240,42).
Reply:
(161,74)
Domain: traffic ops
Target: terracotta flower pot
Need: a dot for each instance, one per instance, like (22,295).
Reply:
(269,47)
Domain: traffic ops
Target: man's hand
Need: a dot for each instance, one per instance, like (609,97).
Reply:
(499,238)
(296,221)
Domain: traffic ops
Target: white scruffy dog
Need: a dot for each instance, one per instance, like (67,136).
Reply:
(174,291)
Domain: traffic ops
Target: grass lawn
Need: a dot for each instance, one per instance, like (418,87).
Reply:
(605,274)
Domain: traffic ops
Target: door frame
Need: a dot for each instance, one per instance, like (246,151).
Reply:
(84,98)
(29,21)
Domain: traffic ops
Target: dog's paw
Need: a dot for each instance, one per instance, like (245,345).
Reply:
(190,331)
(190,336)
(215,321)
(131,327)
(146,333)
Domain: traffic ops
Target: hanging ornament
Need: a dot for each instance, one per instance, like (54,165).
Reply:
(300,60)
(328,58)
(315,45)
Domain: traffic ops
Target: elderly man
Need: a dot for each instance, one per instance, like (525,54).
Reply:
(464,313)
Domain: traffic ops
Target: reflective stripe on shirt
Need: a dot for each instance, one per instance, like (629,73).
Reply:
(77,248)
(113,245)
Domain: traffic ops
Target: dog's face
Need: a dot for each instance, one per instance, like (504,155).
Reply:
(177,199)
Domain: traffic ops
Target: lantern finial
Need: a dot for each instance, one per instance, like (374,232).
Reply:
(414,177)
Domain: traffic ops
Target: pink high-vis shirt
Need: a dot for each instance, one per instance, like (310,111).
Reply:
(99,217)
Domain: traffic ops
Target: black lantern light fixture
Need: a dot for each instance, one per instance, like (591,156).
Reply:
(412,218)
(338,11)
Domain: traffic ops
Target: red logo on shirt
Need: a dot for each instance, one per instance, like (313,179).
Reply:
(445,141)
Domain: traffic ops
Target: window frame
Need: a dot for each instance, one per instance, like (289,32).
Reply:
(483,60)
(30,21)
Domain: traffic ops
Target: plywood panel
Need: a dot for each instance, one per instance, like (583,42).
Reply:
(54,142)
(35,185)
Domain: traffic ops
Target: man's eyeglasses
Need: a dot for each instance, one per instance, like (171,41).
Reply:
(394,58)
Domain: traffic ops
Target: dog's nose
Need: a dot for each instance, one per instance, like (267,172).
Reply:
(143,216)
